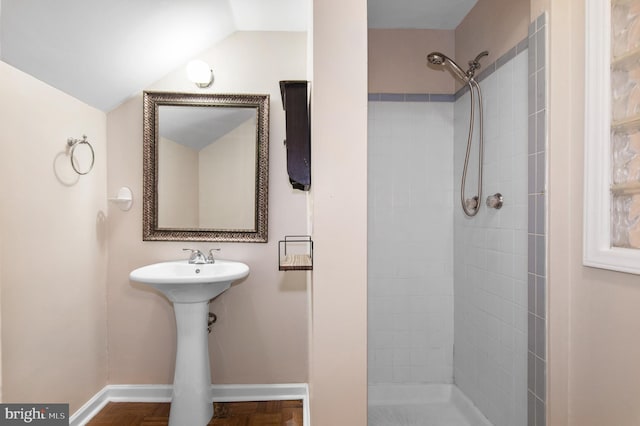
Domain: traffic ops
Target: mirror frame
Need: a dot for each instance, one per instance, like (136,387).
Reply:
(151,103)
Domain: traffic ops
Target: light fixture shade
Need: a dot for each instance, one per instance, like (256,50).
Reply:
(200,73)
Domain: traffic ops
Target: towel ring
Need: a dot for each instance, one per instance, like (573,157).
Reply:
(73,143)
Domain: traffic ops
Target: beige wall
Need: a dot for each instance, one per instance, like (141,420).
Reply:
(538,7)
(398,61)
(178,185)
(594,317)
(493,25)
(338,374)
(53,252)
(227,172)
(564,124)
(261,333)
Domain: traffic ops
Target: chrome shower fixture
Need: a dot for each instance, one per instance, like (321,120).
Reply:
(437,58)
(470,206)
(474,64)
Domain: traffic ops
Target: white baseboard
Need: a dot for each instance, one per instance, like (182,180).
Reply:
(219,393)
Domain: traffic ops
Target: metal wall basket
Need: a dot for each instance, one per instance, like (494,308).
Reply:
(295,253)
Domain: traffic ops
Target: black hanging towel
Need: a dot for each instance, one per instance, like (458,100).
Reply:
(298,139)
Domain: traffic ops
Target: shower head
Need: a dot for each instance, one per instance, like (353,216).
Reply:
(437,58)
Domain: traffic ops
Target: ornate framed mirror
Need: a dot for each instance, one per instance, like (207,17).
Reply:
(205,167)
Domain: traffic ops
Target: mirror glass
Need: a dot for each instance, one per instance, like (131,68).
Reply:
(205,167)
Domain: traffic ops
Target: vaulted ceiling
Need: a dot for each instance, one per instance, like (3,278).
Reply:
(104,51)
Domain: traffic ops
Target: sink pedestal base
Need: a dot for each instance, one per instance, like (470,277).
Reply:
(191,401)
(190,286)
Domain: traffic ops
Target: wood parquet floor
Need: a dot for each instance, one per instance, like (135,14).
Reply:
(262,413)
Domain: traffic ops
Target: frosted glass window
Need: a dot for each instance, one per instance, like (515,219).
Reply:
(625,123)
(612,135)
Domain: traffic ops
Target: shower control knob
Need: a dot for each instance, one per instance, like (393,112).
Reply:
(495,201)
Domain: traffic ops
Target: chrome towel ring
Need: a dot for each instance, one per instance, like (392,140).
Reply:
(73,144)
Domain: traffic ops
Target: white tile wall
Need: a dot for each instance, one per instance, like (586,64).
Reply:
(490,254)
(410,242)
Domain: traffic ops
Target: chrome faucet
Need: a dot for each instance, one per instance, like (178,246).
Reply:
(197,257)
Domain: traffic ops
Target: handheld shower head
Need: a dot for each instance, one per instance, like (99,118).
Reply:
(437,58)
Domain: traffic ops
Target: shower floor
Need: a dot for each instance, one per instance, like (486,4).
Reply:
(421,405)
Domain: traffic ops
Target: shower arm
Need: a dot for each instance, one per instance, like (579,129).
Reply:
(474,64)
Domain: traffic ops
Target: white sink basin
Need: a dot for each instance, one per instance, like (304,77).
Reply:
(190,287)
(184,282)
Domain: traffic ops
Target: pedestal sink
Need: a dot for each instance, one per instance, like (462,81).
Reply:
(190,287)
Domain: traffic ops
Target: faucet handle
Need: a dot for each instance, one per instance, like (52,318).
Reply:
(210,259)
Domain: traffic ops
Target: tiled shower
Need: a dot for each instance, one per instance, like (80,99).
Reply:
(449,296)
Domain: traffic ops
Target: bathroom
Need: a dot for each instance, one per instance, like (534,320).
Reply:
(593,374)
(91,325)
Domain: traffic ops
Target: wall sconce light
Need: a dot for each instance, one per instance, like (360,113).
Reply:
(200,73)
